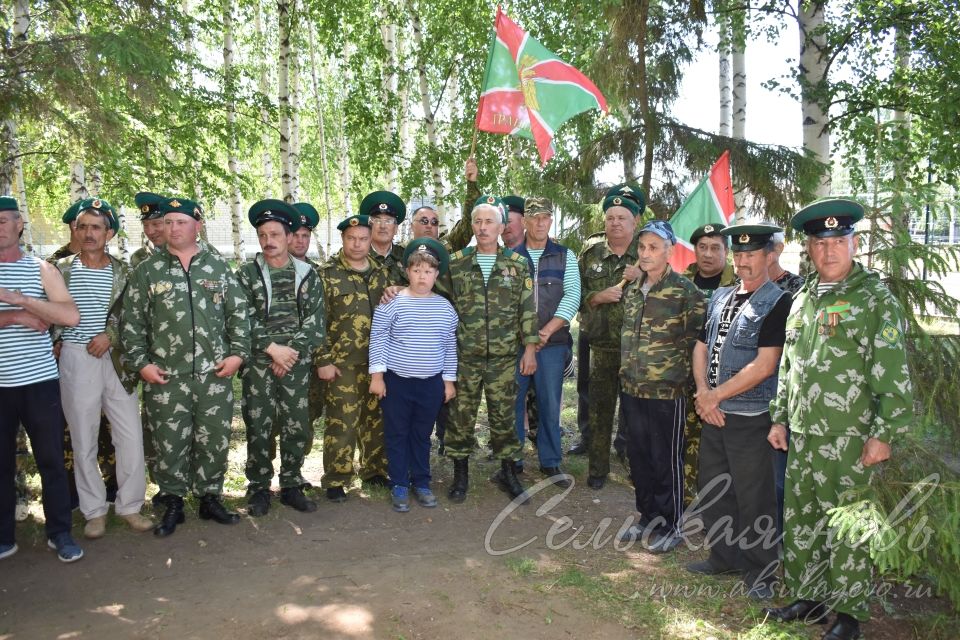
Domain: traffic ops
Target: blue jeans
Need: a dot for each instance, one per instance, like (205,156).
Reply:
(548,382)
(409,411)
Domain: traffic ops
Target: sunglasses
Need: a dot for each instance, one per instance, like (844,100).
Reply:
(431,221)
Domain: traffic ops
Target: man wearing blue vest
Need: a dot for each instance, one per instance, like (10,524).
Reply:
(735,363)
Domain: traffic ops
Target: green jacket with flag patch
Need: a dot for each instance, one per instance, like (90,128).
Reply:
(844,367)
(659,332)
(601,269)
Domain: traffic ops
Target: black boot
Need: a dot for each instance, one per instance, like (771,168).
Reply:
(458,490)
(806,611)
(171,517)
(212,509)
(508,482)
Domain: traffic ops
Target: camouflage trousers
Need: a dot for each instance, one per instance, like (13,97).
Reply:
(190,424)
(272,404)
(315,405)
(604,388)
(353,422)
(818,565)
(495,377)
(691,454)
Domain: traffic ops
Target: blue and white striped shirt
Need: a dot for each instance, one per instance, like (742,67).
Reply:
(26,356)
(414,338)
(570,302)
(90,289)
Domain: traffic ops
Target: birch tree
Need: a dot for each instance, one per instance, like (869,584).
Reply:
(266,122)
(285,10)
(724,49)
(813,68)
(233,166)
(321,128)
(12,166)
(389,84)
(428,113)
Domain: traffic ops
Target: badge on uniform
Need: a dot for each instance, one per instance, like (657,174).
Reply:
(829,318)
(890,334)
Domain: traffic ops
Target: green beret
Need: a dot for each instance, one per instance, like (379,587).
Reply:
(711,230)
(71,213)
(750,237)
(148,204)
(9,204)
(102,207)
(514,203)
(620,201)
(627,191)
(538,206)
(276,211)
(354,221)
(384,202)
(496,203)
(309,217)
(181,205)
(828,218)
(431,246)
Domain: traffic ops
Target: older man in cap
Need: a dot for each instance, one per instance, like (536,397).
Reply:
(285,299)
(353,283)
(385,211)
(845,394)
(462,232)
(606,263)
(662,315)
(153,228)
(186,331)
(735,363)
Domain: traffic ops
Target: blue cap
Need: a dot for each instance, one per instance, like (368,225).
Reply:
(662,228)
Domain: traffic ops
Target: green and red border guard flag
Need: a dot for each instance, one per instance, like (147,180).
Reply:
(528,91)
(711,201)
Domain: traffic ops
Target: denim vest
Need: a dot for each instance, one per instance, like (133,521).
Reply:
(740,347)
(548,286)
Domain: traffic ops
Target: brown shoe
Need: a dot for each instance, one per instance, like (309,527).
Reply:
(95,527)
(138,522)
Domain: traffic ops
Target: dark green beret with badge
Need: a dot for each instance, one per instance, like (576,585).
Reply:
(828,218)
(514,203)
(148,205)
(750,237)
(495,202)
(354,221)
(627,195)
(384,202)
(431,246)
(712,230)
(72,211)
(538,206)
(9,204)
(309,217)
(181,205)
(103,208)
(273,210)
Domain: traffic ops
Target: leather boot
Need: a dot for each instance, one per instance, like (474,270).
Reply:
(508,482)
(807,611)
(458,490)
(212,509)
(172,516)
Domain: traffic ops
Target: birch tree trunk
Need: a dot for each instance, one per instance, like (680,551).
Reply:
(344,146)
(12,168)
(813,61)
(233,166)
(726,116)
(78,184)
(739,128)
(646,111)
(285,9)
(428,115)
(294,124)
(323,139)
(122,241)
(388,33)
(265,90)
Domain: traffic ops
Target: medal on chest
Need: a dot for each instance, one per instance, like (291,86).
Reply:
(829,319)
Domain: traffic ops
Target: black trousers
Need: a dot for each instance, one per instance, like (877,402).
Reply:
(655,444)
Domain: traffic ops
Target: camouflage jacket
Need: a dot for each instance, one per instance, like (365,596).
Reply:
(184,320)
(112,328)
(727,277)
(349,296)
(462,232)
(658,336)
(140,255)
(393,263)
(254,279)
(844,366)
(601,269)
(497,318)
(60,254)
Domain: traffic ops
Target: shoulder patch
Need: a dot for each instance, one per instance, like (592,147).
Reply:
(890,334)
(466,251)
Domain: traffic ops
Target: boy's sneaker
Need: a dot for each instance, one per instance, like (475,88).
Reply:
(65,546)
(425,497)
(7,550)
(401,499)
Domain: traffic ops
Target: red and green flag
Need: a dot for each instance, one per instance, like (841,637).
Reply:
(711,201)
(528,91)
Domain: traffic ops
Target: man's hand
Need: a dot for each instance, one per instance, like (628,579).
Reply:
(449,390)
(282,355)
(328,373)
(23,318)
(778,436)
(528,361)
(228,366)
(12,297)
(390,293)
(57,346)
(377,386)
(98,345)
(631,273)
(874,451)
(607,296)
(153,374)
(470,169)
(278,369)
(708,407)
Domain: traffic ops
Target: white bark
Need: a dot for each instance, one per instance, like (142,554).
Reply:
(816,136)
(266,91)
(323,140)
(122,241)
(739,91)
(233,166)
(724,76)
(78,182)
(295,124)
(343,156)
(284,9)
(389,83)
(96,181)
(428,115)
(12,169)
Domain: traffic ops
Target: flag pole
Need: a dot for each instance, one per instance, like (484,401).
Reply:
(473,145)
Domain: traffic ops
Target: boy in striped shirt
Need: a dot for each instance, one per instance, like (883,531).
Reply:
(413,367)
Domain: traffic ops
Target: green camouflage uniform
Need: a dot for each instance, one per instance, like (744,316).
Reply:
(185,322)
(316,385)
(462,232)
(392,264)
(286,308)
(140,255)
(353,413)
(843,379)
(495,321)
(600,269)
(692,428)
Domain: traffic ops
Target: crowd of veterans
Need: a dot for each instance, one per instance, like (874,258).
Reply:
(739,390)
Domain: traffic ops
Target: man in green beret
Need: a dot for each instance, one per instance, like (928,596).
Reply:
(186,332)
(462,232)
(605,262)
(386,211)
(285,299)
(309,218)
(353,283)
(492,292)
(72,247)
(148,204)
(711,269)
(845,395)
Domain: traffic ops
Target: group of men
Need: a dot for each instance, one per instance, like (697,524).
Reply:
(819,372)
